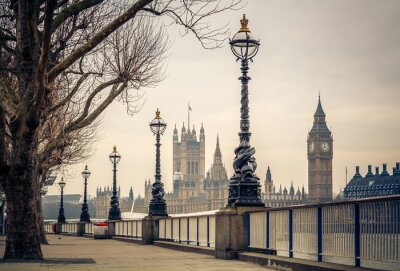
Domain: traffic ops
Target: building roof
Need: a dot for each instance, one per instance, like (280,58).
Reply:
(373,185)
(320,111)
(319,124)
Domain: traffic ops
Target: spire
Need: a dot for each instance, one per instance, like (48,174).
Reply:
(175,130)
(268,176)
(319,119)
(194,133)
(291,191)
(298,193)
(183,128)
(131,194)
(201,129)
(217,153)
(319,112)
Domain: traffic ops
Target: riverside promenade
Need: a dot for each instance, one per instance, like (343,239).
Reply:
(76,253)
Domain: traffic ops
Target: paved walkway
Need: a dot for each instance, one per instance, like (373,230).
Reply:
(77,253)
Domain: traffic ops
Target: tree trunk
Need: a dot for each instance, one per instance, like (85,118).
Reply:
(42,233)
(22,214)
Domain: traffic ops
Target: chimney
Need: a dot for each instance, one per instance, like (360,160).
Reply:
(369,173)
(376,170)
(397,169)
(384,171)
(357,175)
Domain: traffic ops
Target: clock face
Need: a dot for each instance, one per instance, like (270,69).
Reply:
(324,146)
(311,147)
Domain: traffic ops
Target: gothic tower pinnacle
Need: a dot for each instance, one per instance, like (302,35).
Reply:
(320,155)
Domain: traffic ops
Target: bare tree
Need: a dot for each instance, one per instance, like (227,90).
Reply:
(62,63)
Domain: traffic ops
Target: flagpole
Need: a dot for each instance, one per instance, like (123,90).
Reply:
(188,116)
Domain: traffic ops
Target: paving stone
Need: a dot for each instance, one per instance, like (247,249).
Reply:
(77,253)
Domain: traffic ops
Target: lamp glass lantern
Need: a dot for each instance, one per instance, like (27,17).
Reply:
(86,173)
(115,157)
(61,183)
(243,44)
(158,125)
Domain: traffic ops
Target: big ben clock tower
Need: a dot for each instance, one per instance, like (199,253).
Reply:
(319,154)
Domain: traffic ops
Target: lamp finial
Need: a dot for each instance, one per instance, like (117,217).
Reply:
(158,114)
(244,22)
(115,149)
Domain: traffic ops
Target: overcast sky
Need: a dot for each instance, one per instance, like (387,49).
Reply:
(349,50)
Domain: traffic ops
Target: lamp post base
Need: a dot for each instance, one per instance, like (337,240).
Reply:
(114,214)
(158,208)
(61,217)
(85,217)
(244,194)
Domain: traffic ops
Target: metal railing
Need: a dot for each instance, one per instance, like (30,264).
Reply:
(364,232)
(196,229)
(129,228)
(123,228)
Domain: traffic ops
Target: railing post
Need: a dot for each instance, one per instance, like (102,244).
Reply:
(267,233)
(319,233)
(165,229)
(208,231)
(172,229)
(357,234)
(290,233)
(247,215)
(188,236)
(179,230)
(197,232)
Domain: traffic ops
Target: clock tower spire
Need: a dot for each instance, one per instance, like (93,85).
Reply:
(320,154)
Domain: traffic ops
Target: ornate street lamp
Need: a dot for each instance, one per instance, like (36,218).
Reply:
(85,217)
(158,205)
(114,212)
(61,216)
(244,186)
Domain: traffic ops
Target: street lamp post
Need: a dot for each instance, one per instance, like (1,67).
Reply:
(158,205)
(61,216)
(244,186)
(85,217)
(114,212)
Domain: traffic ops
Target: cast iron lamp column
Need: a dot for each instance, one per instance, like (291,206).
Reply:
(85,217)
(61,216)
(244,186)
(158,205)
(114,212)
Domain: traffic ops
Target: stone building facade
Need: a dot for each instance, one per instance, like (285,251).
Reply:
(282,198)
(193,191)
(103,197)
(373,184)
(320,155)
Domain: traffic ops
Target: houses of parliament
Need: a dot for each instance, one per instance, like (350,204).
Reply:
(194,190)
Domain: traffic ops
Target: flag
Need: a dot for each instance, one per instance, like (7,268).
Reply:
(189,107)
